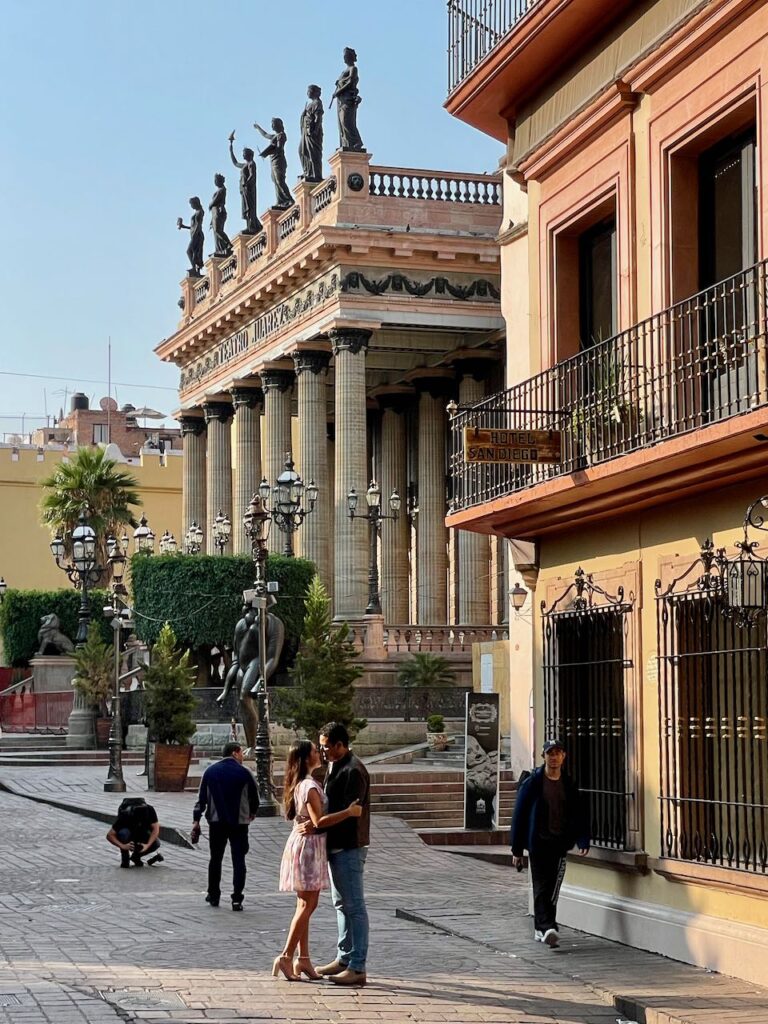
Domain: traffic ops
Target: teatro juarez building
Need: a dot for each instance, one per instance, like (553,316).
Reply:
(339,333)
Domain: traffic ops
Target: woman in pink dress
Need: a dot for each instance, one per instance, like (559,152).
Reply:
(304,867)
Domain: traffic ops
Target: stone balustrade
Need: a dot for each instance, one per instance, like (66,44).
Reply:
(329,202)
(439,639)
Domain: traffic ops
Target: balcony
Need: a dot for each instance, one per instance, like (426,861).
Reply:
(475,27)
(663,406)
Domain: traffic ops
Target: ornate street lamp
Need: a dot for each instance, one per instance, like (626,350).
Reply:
(168,544)
(143,538)
(222,531)
(116,550)
(374,516)
(746,576)
(256,523)
(193,539)
(286,508)
(83,570)
(518,596)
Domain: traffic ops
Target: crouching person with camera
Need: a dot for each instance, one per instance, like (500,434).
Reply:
(135,833)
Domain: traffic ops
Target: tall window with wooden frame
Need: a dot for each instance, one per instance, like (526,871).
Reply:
(586,694)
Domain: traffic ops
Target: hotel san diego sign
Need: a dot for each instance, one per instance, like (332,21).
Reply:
(258,331)
(526,446)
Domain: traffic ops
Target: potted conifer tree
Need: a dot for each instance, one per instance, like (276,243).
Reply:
(168,686)
(94,677)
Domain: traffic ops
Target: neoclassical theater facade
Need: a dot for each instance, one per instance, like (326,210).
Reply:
(339,334)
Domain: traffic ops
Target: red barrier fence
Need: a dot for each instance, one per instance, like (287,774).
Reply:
(35,712)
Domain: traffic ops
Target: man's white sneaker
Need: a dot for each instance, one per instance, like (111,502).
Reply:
(551,938)
(538,936)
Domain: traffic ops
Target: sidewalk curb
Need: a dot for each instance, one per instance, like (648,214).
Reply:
(637,1012)
(172,836)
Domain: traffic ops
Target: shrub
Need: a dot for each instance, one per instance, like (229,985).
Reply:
(202,596)
(22,610)
(168,691)
(94,668)
(435,723)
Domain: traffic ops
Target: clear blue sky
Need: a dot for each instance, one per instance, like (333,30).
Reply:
(114,113)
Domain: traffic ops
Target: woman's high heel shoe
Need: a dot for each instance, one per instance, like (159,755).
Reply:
(284,966)
(303,965)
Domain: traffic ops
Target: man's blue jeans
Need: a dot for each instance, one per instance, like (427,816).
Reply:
(346,871)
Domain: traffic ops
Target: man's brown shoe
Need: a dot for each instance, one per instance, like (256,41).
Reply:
(349,977)
(328,970)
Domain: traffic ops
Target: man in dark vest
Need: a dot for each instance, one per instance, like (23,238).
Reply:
(549,820)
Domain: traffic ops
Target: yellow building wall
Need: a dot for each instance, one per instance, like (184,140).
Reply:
(25,558)
(498,652)
(677,530)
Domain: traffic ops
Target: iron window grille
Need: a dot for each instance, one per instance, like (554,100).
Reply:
(585,698)
(713,709)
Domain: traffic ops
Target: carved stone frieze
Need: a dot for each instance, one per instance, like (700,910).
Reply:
(480,288)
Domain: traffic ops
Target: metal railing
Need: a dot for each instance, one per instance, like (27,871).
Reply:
(700,361)
(474,29)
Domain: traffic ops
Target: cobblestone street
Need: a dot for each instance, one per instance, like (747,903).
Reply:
(83,941)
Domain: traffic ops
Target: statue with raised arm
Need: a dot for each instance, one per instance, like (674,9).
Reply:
(218,208)
(196,237)
(347,98)
(244,672)
(248,196)
(311,142)
(276,153)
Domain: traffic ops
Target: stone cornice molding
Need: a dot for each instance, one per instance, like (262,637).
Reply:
(221,411)
(349,339)
(277,380)
(247,398)
(311,361)
(192,426)
(480,288)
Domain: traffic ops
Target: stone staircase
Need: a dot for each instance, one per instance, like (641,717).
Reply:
(430,797)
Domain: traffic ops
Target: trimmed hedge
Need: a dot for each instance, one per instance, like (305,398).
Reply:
(202,595)
(22,610)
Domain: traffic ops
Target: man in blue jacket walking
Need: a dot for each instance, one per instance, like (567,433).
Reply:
(229,799)
(550,819)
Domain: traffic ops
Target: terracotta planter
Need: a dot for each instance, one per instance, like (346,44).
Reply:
(103,727)
(437,741)
(171,767)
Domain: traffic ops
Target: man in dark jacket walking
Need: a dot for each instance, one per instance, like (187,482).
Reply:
(229,799)
(549,820)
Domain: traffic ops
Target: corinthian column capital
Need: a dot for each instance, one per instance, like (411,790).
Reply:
(349,339)
(311,362)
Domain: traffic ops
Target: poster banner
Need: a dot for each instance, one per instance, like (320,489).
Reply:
(481,767)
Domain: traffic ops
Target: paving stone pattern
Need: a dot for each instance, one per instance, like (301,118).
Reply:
(84,942)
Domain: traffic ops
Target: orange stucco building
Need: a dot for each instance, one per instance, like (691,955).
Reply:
(633,257)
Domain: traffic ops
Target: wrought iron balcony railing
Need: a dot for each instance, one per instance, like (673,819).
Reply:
(698,362)
(474,29)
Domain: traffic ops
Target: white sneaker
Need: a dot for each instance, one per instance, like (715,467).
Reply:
(551,938)
(538,936)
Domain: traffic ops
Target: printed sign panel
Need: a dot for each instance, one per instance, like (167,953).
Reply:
(481,768)
(527,446)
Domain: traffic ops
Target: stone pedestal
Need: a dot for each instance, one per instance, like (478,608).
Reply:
(53,673)
(81,727)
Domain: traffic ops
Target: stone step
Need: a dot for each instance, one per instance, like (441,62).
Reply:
(407,806)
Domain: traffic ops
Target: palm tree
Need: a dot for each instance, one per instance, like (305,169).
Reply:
(424,670)
(92,483)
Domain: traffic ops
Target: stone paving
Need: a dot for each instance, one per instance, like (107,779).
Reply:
(82,942)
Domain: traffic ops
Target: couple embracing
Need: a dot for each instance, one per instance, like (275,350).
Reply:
(329,839)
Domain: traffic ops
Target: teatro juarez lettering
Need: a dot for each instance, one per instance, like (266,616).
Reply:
(258,331)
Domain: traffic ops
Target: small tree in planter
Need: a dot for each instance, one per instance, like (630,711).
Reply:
(94,676)
(324,673)
(168,686)
(424,670)
(436,737)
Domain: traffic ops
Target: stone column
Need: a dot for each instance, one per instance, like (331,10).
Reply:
(395,536)
(277,386)
(351,537)
(193,478)
(218,416)
(311,373)
(431,533)
(474,548)
(248,402)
